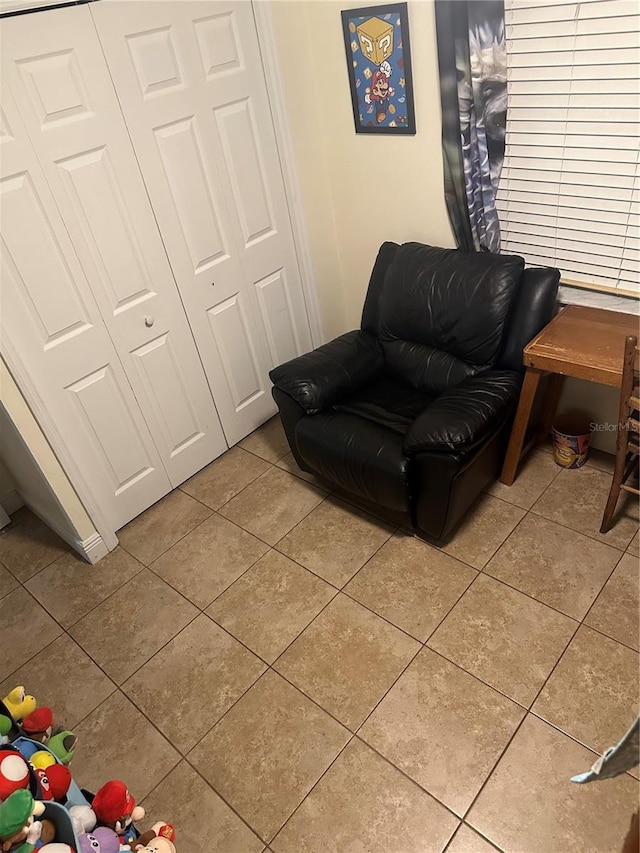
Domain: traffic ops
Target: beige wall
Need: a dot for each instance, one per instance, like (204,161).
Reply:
(358,189)
(34,468)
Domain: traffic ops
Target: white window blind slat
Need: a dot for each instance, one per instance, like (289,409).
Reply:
(559,73)
(570,58)
(569,192)
(603,9)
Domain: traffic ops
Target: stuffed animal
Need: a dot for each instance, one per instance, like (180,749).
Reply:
(48,832)
(56,847)
(83,818)
(38,725)
(45,788)
(14,772)
(54,782)
(19,829)
(63,746)
(101,840)
(41,760)
(6,724)
(158,839)
(59,781)
(115,807)
(158,844)
(19,703)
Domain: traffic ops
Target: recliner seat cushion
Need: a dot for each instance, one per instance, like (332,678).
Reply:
(442,313)
(359,456)
(387,403)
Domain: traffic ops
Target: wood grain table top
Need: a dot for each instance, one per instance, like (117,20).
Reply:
(586,343)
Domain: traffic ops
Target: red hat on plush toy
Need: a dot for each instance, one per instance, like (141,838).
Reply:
(113,801)
(38,721)
(59,780)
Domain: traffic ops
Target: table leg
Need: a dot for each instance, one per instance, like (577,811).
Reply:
(527,395)
(551,400)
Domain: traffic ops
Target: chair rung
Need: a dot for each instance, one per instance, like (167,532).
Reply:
(634,424)
(634,447)
(630,489)
(634,402)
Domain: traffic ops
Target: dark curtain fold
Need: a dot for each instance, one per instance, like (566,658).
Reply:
(473,91)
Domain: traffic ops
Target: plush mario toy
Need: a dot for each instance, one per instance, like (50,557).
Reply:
(38,725)
(116,808)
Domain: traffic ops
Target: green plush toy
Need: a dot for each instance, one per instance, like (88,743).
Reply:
(18,824)
(6,724)
(63,746)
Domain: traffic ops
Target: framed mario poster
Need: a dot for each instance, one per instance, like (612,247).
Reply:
(376,39)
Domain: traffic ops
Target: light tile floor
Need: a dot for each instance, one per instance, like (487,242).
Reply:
(264,664)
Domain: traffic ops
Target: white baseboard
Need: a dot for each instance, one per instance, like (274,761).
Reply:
(92,549)
(11,502)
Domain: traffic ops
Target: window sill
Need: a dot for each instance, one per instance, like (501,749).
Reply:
(568,295)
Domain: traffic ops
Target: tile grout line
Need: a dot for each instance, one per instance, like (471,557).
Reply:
(591,536)
(67,628)
(177,541)
(228,587)
(311,789)
(518,727)
(218,794)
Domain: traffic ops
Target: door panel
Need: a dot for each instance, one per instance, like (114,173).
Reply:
(161,372)
(92,188)
(230,328)
(190,82)
(237,130)
(99,401)
(50,322)
(276,310)
(182,159)
(57,308)
(57,72)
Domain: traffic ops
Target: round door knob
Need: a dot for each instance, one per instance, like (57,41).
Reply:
(149,321)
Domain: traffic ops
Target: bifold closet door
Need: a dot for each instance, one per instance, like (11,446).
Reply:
(54,65)
(190,82)
(51,327)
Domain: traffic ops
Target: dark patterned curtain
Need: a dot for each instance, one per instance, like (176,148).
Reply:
(473,90)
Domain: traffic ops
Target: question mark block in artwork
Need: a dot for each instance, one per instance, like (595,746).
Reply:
(376,39)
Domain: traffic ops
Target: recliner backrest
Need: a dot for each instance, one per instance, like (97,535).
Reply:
(533,306)
(441,313)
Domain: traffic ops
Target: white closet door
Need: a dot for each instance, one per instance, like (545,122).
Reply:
(190,81)
(58,76)
(52,333)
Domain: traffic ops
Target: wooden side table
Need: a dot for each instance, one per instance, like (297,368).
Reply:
(586,343)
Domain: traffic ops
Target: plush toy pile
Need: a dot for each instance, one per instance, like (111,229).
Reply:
(42,808)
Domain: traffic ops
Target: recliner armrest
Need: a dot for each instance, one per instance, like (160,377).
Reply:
(464,416)
(324,376)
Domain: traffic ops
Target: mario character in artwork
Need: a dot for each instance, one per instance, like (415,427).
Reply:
(380,91)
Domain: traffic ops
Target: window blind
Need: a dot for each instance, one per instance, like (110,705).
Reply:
(569,193)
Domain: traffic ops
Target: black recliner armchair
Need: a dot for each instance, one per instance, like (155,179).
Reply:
(409,416)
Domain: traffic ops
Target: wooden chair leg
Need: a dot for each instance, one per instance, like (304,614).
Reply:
(620,471)
(612,500)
